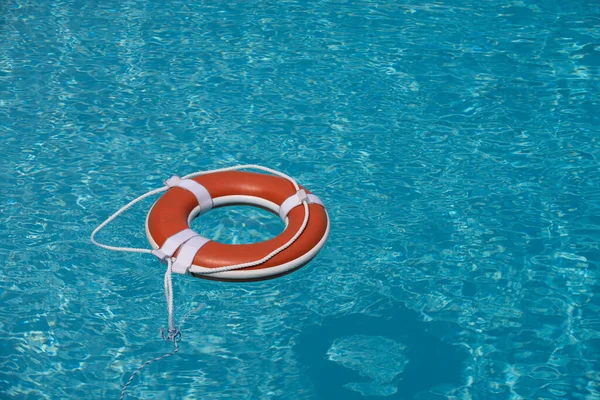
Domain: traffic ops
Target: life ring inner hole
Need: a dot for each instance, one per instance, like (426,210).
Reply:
(238,222)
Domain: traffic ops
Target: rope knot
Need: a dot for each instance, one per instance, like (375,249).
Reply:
(171,335)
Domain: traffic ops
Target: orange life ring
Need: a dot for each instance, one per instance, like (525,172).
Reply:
(172,213)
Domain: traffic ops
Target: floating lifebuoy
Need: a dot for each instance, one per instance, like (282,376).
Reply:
(186,252)
(168,225)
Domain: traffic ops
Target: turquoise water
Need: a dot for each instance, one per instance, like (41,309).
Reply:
(455,143)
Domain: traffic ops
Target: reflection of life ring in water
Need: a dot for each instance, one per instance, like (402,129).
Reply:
(422,361)
(169,233)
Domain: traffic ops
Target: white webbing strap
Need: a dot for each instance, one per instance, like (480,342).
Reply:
(172,243)
(186,255)
(202,195)
(295,200)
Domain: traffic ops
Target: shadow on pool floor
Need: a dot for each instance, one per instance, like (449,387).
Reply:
(392,355)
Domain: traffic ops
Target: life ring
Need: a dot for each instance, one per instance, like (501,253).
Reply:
(168,225)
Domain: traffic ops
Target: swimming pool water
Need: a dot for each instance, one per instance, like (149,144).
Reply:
(455,143)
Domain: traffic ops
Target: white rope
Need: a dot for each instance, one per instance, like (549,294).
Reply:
(195,269)
(169,293)
(115,215)
(173,334)
(263,260)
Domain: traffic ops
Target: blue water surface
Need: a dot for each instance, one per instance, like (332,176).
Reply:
(455,143)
